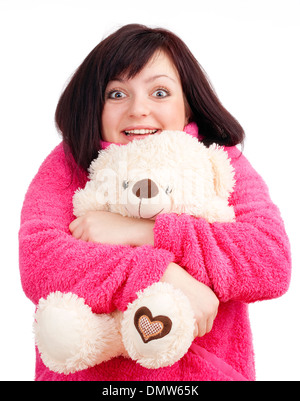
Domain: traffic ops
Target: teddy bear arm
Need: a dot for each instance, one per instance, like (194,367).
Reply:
(70,337)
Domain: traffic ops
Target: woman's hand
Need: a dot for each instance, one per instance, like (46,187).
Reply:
(112,228)
(203,300)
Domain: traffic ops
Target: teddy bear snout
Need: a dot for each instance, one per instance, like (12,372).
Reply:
(145,189)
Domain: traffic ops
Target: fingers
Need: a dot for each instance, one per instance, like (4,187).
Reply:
(73,225)
(203,327)
(196,330)
(209,325)
(76,228)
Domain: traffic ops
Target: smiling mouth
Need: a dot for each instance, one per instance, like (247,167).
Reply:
(140,132)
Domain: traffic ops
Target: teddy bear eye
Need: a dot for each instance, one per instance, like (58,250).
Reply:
(125,184)
(168,190)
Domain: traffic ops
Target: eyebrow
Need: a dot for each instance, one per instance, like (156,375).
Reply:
(119,79)
(160,76)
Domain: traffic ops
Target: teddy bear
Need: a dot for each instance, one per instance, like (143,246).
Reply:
(170,172)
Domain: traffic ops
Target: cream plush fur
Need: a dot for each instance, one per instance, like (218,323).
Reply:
(170,172)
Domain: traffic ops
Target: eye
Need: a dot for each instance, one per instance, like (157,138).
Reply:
(168,190)
(116,94)
(161,93)
(125,184)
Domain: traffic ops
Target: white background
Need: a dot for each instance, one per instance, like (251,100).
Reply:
(250,50)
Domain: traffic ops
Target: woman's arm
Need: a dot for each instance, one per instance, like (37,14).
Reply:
(51,259)
(247,260)
(112,228)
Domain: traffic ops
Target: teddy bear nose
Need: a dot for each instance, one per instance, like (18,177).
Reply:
(145,189)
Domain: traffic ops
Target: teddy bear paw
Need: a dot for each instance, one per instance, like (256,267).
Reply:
(70,337)
(157,328)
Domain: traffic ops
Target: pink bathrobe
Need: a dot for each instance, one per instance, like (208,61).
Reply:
(242,262)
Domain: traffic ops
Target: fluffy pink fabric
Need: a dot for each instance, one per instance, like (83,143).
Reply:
(242,262)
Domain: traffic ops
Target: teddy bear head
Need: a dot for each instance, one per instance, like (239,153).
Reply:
(171,172)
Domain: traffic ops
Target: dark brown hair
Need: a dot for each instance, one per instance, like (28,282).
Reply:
(126,52)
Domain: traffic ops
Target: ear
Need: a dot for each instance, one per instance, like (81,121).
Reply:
(223,171)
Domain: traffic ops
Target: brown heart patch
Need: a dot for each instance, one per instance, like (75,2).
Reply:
(149,327)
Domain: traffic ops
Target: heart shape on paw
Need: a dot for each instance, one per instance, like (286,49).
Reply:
(149,327)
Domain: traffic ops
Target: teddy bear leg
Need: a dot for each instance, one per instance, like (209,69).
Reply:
(157,328)
(70,337)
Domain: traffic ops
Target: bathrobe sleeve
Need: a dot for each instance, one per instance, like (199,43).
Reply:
(247,260)
(106,276)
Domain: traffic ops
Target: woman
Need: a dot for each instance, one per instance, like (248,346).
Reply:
(137,82)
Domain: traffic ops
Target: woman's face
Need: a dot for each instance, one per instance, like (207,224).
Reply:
(150,102)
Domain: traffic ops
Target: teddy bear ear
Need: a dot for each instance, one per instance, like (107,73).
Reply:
(223,171)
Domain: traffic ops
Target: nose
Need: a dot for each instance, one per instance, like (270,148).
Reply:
(145,189)
(139,107)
